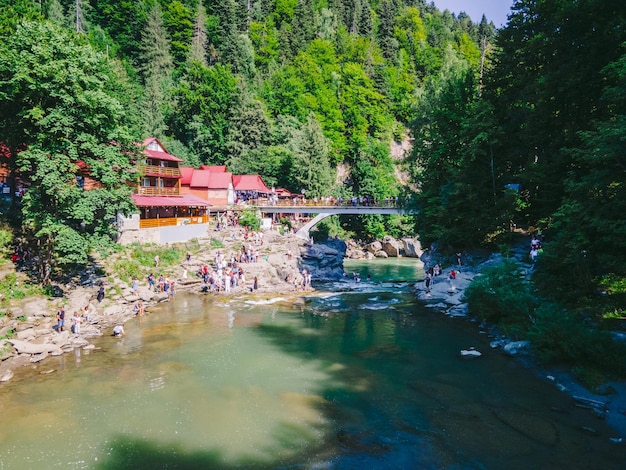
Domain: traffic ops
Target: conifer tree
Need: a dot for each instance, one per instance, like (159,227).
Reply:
(199,40)
(55,13)
(311,169)
(157,69)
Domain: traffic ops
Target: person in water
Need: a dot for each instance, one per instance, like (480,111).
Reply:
(118,330)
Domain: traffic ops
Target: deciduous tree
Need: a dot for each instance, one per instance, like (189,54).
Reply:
(62,121)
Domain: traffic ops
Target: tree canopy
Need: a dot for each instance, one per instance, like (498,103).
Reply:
(62,122)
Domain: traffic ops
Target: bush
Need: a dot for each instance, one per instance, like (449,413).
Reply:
(560,336)
(6,240)
(248,218)
(13,288)
(501,295)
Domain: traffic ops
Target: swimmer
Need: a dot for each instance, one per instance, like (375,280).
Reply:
(118,330)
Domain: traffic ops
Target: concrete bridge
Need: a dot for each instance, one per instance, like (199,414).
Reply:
(324,211)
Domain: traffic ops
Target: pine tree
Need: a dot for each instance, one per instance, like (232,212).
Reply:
(311,168)
(55,13)
(199,39)
(157,68)
(77,13)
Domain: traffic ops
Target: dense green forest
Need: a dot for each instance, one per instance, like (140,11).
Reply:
(522,126)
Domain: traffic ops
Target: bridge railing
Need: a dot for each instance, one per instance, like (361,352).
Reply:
(312,203)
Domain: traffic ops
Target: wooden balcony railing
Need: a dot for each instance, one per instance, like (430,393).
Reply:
(171,221)
(154,170)
(154,191)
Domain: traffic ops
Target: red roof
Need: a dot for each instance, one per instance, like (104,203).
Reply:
(214,168)
(284,192)
(187,172)
(161,156)
(210,180)
(186,200)
(250,183)
(157,154)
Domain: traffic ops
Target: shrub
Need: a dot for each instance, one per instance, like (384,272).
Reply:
(501,295)
(248,218)
(560,336)
(13,288)
(6,240)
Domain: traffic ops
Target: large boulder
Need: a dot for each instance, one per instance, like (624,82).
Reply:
(412,247)
(26,334)
(324,260)
(374,247)
(381,254)
(391,246)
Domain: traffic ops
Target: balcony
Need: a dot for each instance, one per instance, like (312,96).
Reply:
(172,221)
(167,171)
(154,191)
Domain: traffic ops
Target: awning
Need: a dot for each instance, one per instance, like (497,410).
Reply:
(186,200)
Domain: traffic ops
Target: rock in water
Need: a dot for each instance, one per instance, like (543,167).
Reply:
(325,260)
(470,353)
(8,375)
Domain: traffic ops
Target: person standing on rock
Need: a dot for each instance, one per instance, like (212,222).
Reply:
(100,296)
(61,319)
(428,280)
(76,323)
(451,278)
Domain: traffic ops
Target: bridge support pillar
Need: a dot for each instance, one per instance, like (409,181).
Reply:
(304,230)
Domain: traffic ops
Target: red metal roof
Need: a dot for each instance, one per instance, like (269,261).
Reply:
(186,200)
(156,154)
(210,180)
(187,172)
(161,156)
(214,168)
(250,183)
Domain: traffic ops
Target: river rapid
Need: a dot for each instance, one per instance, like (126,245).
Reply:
(356,375)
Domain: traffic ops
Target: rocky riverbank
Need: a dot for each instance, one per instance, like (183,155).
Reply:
(447,296)
(33,321)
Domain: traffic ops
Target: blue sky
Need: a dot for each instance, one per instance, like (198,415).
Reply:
(495,10)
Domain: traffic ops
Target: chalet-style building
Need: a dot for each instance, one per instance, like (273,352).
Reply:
(175,201)
(169,213)
(214,186)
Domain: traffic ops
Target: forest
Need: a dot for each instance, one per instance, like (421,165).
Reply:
(521,126)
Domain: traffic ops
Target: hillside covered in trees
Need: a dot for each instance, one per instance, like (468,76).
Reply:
(521,126)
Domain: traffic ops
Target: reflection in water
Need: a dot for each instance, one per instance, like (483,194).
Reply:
(208,382)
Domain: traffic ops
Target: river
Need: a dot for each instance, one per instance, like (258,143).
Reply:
(359,375)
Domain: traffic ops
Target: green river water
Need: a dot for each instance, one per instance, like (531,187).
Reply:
(359,376)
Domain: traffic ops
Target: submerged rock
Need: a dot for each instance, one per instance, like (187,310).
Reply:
(8,375)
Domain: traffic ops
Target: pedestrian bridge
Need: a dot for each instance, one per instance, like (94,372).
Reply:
(324,211)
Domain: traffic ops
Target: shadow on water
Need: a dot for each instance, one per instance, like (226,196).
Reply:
(386,404)
(138,454)
(390,413)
